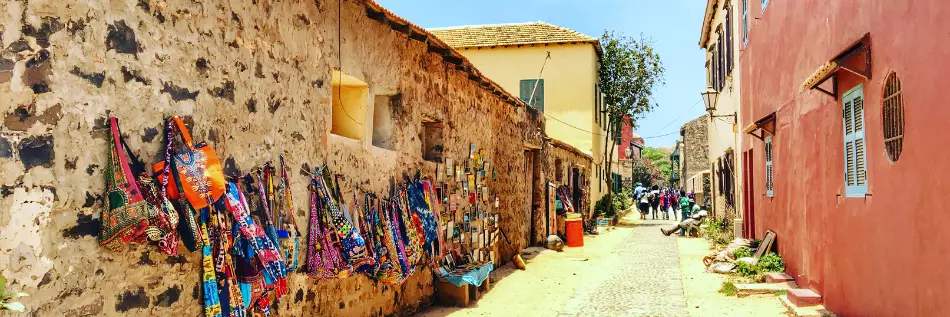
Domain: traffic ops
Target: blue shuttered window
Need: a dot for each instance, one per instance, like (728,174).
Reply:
(855,167)
(769,180)
(527,86)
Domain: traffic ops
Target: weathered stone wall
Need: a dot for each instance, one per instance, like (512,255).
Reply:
(695,150)
(252,78)
(557,159)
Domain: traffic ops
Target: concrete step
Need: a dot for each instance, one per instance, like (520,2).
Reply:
(810,311)
(743,290)
(778,277)
(803,297)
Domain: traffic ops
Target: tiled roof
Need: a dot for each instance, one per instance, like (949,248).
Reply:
(511,34)
(435,45)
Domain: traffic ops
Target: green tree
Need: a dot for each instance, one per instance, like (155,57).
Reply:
(629,71)
(661,161)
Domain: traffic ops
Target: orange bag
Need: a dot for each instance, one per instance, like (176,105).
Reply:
(198,168)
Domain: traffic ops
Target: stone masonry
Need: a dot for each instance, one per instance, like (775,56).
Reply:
(694,157)
(253,79)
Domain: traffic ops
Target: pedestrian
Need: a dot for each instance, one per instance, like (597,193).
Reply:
(644,205)
(637,191)
(683,205)
(655,201)
(665,203)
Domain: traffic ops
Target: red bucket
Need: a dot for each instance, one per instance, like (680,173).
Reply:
(575,233)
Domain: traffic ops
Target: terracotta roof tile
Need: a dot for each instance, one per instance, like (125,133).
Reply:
(510,34)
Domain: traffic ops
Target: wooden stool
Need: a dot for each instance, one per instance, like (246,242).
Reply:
(450,295)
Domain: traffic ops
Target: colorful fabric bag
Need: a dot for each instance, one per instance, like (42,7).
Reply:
(323,257)
(352,245)
(188,229)
(126,218)
(199,169)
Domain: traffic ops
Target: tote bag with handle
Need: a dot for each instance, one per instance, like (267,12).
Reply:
(198,168)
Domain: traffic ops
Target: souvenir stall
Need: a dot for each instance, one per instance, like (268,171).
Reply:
(249,240)
(471,229)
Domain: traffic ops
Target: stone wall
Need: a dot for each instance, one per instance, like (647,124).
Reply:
(252,78)
(559,158)
(694,156)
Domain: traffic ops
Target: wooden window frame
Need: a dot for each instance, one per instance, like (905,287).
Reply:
(769,167)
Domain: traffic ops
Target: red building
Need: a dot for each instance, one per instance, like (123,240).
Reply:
(858,219)
(629,140)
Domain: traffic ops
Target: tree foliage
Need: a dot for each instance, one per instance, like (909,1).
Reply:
(629,71)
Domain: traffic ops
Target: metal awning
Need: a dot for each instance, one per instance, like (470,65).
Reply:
(842,61)
(763,126)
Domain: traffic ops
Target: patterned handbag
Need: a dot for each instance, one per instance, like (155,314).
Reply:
(188,229)
(199,169)
(125,220)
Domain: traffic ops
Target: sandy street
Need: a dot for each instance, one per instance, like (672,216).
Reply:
(630,271)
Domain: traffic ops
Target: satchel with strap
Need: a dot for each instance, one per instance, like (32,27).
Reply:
(199,169)
(125,220)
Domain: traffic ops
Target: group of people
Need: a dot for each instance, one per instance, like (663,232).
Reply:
(660,202)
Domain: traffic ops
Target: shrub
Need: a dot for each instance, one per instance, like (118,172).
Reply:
(742,253)
(748,270)
(601,207)
(771,262)
(717,231)
(728,288)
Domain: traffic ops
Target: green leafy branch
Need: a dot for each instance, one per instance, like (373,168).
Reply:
(7,299)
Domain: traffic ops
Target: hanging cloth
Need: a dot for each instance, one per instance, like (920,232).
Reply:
(394,222)
(288,231)
(323,258)
(387,270)
(352,245)
(419,205)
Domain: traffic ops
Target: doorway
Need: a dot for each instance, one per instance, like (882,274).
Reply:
(748,194)
(531,176)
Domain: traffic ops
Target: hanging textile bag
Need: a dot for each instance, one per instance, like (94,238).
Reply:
(199,169)
(288,232)
(188,230)
(125,219)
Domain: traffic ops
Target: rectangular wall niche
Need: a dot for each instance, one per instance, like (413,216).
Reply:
(349,106)
(432,141)
(383,122)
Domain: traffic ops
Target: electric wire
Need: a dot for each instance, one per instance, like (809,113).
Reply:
(339,39)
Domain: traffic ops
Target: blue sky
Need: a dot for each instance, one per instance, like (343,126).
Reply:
(673,25)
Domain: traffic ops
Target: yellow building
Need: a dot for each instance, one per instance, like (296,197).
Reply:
(554,69)
(722,37)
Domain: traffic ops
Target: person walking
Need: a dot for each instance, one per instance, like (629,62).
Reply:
(665,203)
(644,205)
(655,201)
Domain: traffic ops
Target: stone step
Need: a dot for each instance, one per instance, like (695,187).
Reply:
(803,297)
(743,290)
(778,277)
(810,311)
